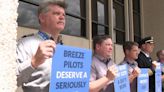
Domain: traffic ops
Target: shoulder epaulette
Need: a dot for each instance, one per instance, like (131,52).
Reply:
(27,35)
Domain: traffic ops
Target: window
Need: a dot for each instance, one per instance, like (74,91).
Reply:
(136,20)
(27,14)
(75,16)
(119,27)
(73,27)
(99,17)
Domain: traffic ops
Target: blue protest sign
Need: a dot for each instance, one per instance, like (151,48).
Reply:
(121,83)
(158,80)
(143,81)
(70,69)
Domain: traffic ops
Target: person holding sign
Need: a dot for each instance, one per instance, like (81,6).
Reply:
(144,60)
(34,53)
(131,52)
(160,56)
(103,69)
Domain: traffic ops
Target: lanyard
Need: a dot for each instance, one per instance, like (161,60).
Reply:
(43,35)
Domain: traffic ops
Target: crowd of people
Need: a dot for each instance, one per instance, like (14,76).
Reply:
(34,55)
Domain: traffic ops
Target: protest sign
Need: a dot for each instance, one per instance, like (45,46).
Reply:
(70,69)
(143,81)
(158,80)
(121,83)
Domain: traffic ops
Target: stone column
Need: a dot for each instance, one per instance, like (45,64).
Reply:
(8,32)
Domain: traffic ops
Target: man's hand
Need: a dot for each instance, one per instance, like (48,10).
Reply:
(44,51)
(154,64)
(136,71)
(112,72)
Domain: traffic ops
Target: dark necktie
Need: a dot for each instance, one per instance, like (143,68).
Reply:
(149,58)
(106,62)
(132,64)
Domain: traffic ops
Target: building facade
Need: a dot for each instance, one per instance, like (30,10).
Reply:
(123,20)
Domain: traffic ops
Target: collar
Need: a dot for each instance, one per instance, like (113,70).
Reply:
(102,59)
(146,54)
(46,36)
(43,35)
(161,61)
(130,62)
